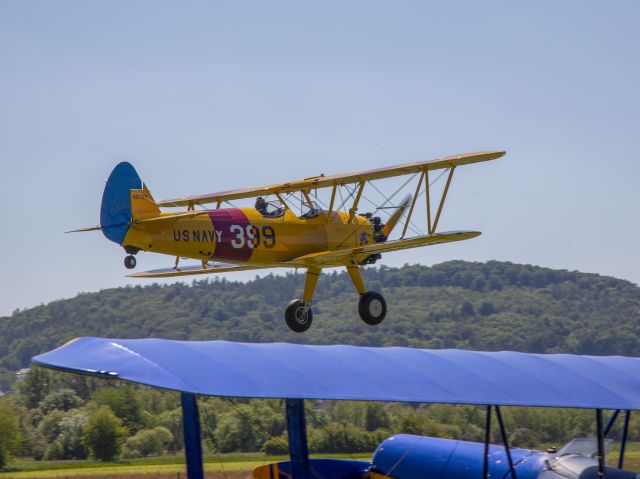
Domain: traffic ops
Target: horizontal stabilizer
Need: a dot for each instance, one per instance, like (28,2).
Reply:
(168,217)
(341,256)
(82,230)
(193,270)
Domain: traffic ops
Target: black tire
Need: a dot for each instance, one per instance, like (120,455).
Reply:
(130,262)
(298,321)
(372,308)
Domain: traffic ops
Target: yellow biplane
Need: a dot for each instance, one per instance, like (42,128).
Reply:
(289,226)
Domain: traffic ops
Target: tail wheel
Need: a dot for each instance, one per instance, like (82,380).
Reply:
(372,308)
(298,316)
(130,262)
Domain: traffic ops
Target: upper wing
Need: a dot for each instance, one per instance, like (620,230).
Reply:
(339,257)
(345,178)
(191,270)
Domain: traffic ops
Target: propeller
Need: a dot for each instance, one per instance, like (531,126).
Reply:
(395,217)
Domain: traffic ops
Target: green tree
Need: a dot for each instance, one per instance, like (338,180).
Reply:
(37,384)
(523,437)
(49,427)
(69,442)
(342,438)
(61,400)
(235,432)
(124,403)
(104,434)
(172,420)
(9,434)
(148,442)
(276,446)
(467,309)
(376,417)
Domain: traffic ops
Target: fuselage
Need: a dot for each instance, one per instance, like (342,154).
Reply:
(244,235)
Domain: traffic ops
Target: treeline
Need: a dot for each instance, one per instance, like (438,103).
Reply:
(52,415)
(485,306)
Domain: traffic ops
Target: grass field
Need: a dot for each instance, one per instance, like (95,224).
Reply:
(226,466)
(230,470)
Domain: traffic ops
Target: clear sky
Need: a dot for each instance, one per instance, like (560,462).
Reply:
(207,96)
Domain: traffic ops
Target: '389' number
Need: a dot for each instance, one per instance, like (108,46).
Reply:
(250,236)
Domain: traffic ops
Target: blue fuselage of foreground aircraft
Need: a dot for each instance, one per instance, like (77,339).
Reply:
(406,456)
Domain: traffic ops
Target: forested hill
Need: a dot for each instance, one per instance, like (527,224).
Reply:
(487,306)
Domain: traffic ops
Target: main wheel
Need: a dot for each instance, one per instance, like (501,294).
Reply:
(130,262)
(298,316)
(372,308)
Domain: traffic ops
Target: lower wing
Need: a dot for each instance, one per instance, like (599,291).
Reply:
(342,256)
(196,269)
(324,258)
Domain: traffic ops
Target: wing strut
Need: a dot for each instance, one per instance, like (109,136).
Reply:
(505,442)
(487,439)
(601,458)
(625,432)
(444,196)
(297,432)
(413,204)
(623,441)
(192,438)
(427,188)
(354,207)
(333,198)
(431,228)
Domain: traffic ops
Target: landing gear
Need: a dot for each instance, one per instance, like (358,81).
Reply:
(372,308)
(130,262)
(298,315)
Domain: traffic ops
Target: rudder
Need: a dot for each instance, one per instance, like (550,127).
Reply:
(125,198)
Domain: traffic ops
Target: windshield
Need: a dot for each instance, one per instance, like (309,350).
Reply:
(309,211)
(584,446)
(269,208)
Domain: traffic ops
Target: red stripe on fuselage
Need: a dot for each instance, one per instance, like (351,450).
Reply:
(228,224)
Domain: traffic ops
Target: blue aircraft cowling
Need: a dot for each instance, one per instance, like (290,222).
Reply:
(405,456)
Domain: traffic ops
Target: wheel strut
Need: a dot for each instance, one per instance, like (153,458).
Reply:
(298,314)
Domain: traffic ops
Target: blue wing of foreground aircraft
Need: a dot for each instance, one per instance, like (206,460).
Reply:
(298,372)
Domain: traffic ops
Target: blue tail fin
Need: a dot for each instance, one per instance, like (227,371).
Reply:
(115,212)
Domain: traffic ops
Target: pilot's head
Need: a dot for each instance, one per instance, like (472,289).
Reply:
(261,204)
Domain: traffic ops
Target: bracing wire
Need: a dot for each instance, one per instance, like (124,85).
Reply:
(412,226)
(388,200)
(251,419)
(351,192)
(220,461)
(260,426)
(433,182)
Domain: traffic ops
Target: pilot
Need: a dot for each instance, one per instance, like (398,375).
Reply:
(261,205)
